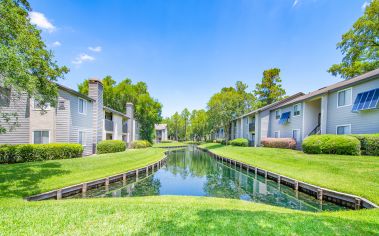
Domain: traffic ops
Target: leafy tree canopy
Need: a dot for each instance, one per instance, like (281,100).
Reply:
(227,104)
(360,45)
(26,64)
(270,89)
(147,110)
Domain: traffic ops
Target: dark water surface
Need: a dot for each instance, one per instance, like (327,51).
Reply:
(192,172)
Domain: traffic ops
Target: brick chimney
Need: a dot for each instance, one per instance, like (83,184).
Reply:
(95,91)
(130,115)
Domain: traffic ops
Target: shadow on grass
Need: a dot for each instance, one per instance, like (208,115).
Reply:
(21,180)
(239,222)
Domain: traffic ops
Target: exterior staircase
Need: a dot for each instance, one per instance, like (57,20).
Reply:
(316,130)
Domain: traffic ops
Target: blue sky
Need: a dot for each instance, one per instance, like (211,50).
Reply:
(187,50)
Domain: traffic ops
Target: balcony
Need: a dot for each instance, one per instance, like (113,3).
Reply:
(108,125)
(252,127)
(125,128)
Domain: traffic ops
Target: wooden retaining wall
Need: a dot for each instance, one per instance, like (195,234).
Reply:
(83,187)
(322,194)
(172,147)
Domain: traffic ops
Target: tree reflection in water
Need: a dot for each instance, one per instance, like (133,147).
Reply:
(193,172)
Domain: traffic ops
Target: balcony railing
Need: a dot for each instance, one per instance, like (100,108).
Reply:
(251,127)
(108,125)
(125,128)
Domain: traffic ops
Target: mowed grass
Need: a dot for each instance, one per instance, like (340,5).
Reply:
(357,175)
(172,144)
(156,215)
(169,215)
(25,179)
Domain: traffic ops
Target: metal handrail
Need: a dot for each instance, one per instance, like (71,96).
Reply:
(316,130)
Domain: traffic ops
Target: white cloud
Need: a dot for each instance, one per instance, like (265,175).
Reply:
(41,21)
(82,58)
(365,4)
(295,2)
(95,49)
(56,44)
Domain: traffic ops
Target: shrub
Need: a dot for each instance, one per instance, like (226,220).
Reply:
(166,141)
(369,144)
(141,144)
(220,140)
(110,146)
(242,142)
(288,143)
(332,144)
(39,152)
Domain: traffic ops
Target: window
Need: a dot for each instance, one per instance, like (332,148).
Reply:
(296,110)
(277,134)
(82,138)
(277,114)
(343,129)
(296,134)
(37,106)
(82,106)
(247,120)
(5,94)
(40,137)
(61,105)
(344,97)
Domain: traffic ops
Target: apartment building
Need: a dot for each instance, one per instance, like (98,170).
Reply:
(77,118)
(346,107)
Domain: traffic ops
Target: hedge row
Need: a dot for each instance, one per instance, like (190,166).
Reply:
(242,142)
(110,146)
(369,144)
(38,152)
(220,140)
(141,144)
(332,144)
(166,141)
(288,143)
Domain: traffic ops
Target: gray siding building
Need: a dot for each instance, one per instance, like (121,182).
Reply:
(348,107)
(77,118)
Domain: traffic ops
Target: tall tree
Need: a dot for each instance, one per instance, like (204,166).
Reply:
(26,65)
(199,124)
(185,116)
(360,45)
(270,89)
(147,109)
(176,120)
(222,109)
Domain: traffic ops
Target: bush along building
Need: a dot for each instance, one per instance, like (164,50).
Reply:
(347,107)
(77,118)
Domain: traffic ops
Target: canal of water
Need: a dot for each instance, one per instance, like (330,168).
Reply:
(192,172)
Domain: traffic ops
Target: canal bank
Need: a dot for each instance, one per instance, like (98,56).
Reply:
(196,172)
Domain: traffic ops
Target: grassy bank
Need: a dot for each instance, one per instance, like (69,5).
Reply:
(172,144)
(350,174)
(176,216)
(25,179)
(163,215)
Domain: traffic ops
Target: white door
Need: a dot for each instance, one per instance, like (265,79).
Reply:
(296,135)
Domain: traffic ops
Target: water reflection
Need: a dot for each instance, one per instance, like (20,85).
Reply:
(192,172)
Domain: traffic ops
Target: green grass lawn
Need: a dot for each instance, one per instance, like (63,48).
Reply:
(25,179)
(176,216)
(357,175)
(172,144)
(166,215)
